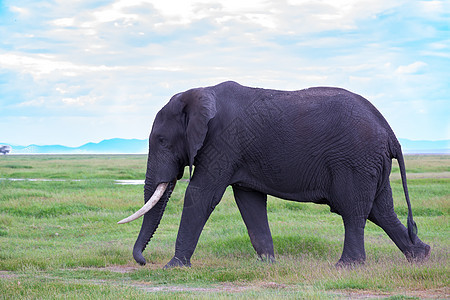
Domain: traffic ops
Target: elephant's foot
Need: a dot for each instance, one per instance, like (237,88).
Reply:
(350,263)
(267,258)
(176,262)
(419,252)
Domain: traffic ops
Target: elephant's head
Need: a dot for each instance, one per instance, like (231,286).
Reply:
(178,133)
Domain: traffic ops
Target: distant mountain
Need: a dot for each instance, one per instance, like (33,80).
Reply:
(425,147)
(135,146)
(112,146)
(116,146)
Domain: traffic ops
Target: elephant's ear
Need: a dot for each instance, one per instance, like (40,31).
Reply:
(200,107)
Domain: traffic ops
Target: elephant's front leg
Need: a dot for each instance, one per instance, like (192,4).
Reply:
(253,208)
(199,202)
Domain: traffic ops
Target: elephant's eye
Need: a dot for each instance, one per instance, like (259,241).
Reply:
(162,141)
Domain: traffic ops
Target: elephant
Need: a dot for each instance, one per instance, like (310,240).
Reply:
(323,145)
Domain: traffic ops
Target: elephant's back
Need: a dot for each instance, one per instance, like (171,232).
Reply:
(330,122)
(306,120)
(338,111)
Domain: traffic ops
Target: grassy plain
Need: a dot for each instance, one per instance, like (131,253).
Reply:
(59,239)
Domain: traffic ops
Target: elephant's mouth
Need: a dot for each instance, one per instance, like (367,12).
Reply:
(160,189)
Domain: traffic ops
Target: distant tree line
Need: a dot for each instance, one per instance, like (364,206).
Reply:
(5,149)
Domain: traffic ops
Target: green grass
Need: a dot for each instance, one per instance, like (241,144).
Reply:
(424,163)
(59,239)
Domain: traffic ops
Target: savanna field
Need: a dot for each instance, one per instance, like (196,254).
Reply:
(59,238)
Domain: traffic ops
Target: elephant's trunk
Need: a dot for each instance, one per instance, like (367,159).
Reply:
(151,221)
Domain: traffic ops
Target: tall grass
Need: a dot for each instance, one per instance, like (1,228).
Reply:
(59,239)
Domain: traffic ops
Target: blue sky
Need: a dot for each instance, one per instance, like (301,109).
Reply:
(73,72)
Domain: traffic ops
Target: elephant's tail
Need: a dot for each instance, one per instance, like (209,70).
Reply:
(412,227)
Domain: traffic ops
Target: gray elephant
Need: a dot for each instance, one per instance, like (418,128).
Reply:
(322,145)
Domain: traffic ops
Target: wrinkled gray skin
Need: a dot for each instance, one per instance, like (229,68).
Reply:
(322,145)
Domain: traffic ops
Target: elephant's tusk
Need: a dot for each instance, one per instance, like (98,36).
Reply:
(160,189)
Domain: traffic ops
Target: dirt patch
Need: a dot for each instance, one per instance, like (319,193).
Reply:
(7,274)
(273,285)
(117,269)
(443,293)
(228,288)
(122,269)
(396,176)
(358,294)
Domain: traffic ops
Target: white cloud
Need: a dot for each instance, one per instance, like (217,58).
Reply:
(37,65)
(41,65)
(432,8)
(23,12)
(81,100)
(116,12)
(190,10)
(35,102)
(64,22)
(417,67)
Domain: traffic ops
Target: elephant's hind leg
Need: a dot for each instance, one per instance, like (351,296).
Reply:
(383,215)
(253,208)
